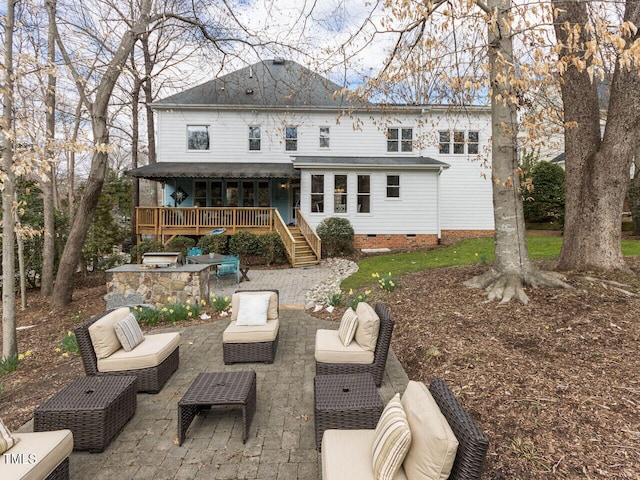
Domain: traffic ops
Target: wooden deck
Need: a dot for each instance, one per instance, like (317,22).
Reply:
(166,222)
(303,247)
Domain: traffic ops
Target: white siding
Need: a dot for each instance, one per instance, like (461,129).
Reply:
(414,212)
(465,188)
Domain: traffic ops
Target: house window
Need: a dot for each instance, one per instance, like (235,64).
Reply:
(197,137)
(393,186)
(254,138)
(291,139)
(472,142)
(458,143)
(460,139)
(445,139)
(340,194)
(317,193)
(200,194)
(216,194)
(248,193)
(324,137)
(232,194)
(364,194)
(263,193)
(400,139)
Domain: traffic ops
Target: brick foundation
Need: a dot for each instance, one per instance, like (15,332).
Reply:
(394,241)
(404,241)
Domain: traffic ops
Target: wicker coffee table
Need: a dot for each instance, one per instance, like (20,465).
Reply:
(94,408)
(346,402)
(218,388)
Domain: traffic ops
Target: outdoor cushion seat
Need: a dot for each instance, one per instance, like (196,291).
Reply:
(150,353)
(445,441)
(256,341)
(153,361)
(49,450)
(330,349)
(378,346)
(249,334)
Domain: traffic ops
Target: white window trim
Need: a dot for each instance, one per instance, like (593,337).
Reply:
(452,142)
(320,137)
(386,186)
(297,138)
(249,139)
(399,140)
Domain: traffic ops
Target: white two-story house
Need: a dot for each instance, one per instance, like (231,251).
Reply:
(275,143)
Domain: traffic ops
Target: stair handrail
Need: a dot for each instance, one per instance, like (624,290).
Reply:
(285,234)
(309,234)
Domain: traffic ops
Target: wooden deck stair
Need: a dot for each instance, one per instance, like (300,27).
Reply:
(304,254)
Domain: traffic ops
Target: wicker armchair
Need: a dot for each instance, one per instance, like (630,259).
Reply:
(251,350)
(150,380)
(376,368)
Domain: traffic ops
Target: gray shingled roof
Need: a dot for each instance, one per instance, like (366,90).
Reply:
(163,171)
(274,83)
(391,161)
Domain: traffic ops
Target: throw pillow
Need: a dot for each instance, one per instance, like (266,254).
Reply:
(129,333)
(392,440)
(368,326)
(6,439)
(252,310)
(272,312)
(103,333)
(348,325)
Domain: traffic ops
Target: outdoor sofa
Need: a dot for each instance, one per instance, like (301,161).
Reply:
(368,351)
(444,441)
(36,456)
(153,360)
(254,331)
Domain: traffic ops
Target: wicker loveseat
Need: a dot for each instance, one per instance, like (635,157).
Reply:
(153,361)
(38,456)
(433,453)
(252,342)
(328,347)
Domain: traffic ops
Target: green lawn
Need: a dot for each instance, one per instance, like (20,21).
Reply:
(464,253)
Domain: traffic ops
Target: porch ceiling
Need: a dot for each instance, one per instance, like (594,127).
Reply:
(164,171)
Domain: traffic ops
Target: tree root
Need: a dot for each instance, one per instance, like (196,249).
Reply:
(505,286)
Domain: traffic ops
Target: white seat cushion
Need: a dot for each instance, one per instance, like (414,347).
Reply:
(46,449)
(150,353)
(251,334)
(433,443)
(368,326)
(103,333)
(346,454)
(329,349)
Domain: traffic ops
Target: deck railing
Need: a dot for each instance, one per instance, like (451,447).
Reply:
(287,238)
(309,234)
(169,221)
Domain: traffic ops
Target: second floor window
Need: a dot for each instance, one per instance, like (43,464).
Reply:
(460,139)
(197,137)
(254,138)
(399,139)
(324,137)
(291,139)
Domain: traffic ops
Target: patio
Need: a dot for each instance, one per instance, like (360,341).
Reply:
(281,443)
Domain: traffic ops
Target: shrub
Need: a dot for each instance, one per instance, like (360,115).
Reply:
(244,243)
(335,299)
(271,248)
(112,261)
(143,247)
(219,303)
(180,244)
(545,203)
(9,364)
(213,244)
(336,235)
(69,343)
(355,299)
(146,315)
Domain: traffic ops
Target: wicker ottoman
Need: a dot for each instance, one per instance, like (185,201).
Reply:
(94,408)
(347,402)
(218,388)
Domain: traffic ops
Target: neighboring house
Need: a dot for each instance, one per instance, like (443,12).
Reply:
(277,136)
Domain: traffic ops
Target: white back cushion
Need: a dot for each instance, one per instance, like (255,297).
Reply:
(103,333)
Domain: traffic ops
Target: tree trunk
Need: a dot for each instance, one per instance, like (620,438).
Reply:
(512,268)
(20,243)
(147,87)
(597,170)
(135,137)
(49,247)
(9,336)
(63,288)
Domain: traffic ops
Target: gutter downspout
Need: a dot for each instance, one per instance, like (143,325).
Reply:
(438,209)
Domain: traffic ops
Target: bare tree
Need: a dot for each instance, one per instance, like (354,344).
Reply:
(9,336)
(597,167)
